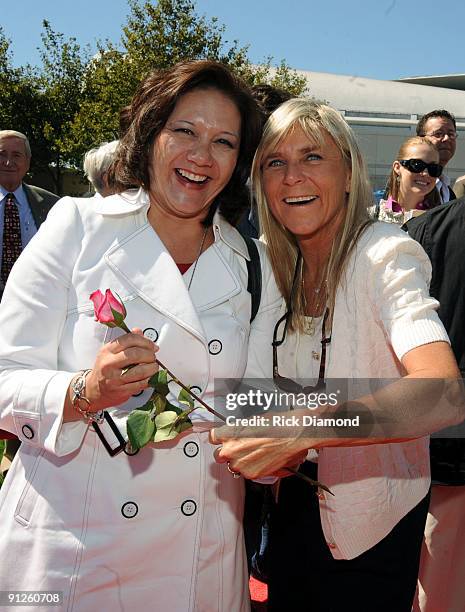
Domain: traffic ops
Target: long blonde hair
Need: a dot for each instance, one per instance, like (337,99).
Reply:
(314,118)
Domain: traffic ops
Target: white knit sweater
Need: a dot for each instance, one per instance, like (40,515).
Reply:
(382,311)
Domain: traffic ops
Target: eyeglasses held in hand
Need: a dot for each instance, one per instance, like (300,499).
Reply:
(287,384)
(418,165)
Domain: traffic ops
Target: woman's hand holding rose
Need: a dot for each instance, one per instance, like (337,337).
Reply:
(112,381)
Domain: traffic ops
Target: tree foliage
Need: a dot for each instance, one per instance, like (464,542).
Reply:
(72,102)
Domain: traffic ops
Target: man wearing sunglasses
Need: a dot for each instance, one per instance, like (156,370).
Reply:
(440,127)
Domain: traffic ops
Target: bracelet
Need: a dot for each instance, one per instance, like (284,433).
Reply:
(78,386)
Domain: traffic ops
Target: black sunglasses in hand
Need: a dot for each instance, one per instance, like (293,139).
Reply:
(418,165)
(287,384)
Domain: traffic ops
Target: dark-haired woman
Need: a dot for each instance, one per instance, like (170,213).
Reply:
(160,529)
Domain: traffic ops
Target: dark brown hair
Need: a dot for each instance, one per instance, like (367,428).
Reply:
(431,115)
(149,110)
(269,97)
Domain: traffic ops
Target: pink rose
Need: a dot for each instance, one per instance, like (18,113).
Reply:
(108,309)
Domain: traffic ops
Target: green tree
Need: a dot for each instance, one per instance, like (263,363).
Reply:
(18,91)
(72,101)
(156,36)
(60,83)
(43,102)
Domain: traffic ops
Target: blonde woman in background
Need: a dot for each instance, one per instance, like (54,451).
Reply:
(411,183)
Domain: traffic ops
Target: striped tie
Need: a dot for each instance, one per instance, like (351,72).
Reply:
(12,245)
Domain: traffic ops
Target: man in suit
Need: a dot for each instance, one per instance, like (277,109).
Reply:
(441,586)
(440,127)
(22,209)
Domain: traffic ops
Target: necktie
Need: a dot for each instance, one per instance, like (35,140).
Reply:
(12,245)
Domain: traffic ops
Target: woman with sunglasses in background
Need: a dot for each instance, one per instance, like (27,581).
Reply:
(411,183)
(356,306)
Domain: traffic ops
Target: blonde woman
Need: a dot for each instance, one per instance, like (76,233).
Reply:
(411,183)
(356,306)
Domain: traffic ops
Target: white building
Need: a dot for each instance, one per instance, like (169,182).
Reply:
(384,113)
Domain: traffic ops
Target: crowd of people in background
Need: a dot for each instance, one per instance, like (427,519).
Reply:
(349,288)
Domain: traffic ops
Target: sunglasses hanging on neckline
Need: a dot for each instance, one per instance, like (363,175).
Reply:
(287,384)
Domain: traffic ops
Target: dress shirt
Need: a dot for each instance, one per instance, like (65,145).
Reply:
(28,226)
(443,185)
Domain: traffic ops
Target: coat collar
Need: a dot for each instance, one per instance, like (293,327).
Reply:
(122,204)
(135,200)
(142,260)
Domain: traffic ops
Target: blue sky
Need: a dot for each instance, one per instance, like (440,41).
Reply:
(383,39)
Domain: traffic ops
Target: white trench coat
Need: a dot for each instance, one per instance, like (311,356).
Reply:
(159,530)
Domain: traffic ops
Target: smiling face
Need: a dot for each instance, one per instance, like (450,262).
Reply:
(14,162)
(412,185)
(305,184)
(195,154)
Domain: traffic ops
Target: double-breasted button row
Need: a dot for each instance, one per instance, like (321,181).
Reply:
(130,509)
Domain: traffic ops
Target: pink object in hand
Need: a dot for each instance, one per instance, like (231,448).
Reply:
(107,308)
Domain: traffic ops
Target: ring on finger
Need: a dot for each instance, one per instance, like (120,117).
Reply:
(217,451)
(235,474)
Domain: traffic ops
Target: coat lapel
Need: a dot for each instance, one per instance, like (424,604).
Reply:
(142,260)
(213,281)
(146,266)
(39,207)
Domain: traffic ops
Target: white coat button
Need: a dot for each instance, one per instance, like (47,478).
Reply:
(189,507)
(28,432)
(191,449)
(129,509)
(196,389)
(215,347)
(151,334)
(129,450)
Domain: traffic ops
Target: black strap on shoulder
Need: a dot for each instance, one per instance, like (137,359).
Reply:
(254,270)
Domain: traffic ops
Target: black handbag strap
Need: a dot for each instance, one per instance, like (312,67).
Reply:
(254,270)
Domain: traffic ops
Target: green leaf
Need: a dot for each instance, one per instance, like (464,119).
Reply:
(164,423)
(185,398)
(159,382)
(159,403)
(183,425)
(173,407)
(147,407)
(140,428)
